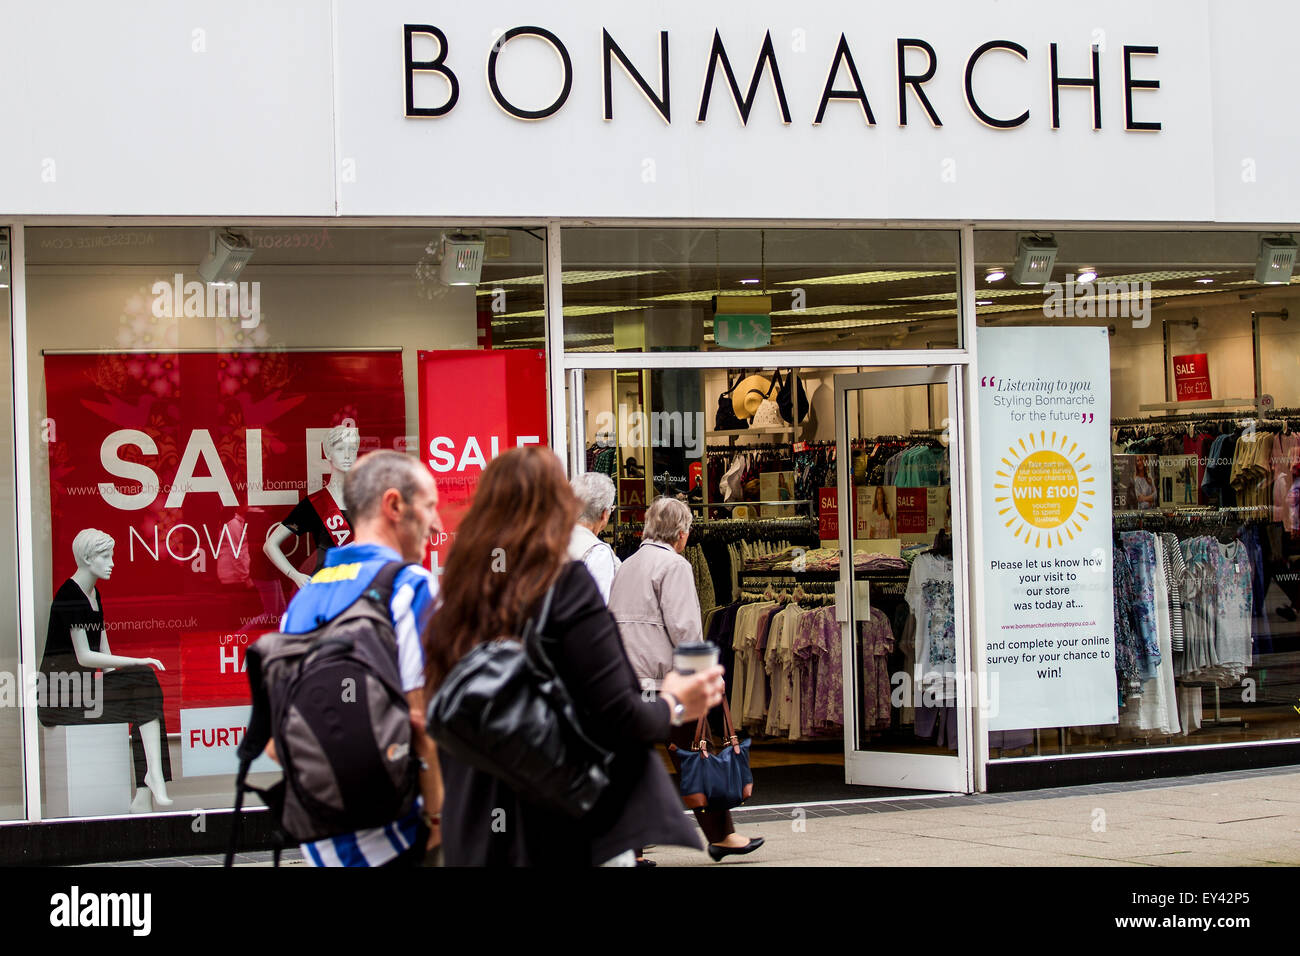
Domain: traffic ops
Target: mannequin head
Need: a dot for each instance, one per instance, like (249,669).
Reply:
(93,551)
(340,446)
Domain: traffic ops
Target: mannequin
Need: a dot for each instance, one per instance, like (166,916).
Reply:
(322,513)
(77,643)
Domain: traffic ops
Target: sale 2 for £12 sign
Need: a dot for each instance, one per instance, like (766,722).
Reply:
(1192,377)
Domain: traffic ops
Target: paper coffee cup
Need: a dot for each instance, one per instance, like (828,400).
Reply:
(693,656)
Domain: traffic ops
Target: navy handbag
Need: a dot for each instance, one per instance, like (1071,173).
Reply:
(716,780)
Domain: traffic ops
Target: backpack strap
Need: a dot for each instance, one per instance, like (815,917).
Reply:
(380,588)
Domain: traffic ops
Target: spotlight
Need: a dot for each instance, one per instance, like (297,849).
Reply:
(1086,274)
(228,253)
(996,274)
(1034,261)
(462,259)
(1276,261)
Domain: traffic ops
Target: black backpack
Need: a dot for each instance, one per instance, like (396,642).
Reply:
(332,700)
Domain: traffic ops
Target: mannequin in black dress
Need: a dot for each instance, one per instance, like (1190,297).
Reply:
(77,644)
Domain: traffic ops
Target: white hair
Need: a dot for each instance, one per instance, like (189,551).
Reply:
(665,519)
(595,491)
(88,543)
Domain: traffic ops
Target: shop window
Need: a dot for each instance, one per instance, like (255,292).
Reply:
(1205,416)
(187,435)
(752,452)
(653,290)
(11,693)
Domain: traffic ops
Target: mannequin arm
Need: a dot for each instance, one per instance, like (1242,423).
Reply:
(273,550)
(88,658)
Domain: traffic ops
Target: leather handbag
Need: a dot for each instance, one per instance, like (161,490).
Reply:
(719,780)
(786,398)
(504,710)
(726,418)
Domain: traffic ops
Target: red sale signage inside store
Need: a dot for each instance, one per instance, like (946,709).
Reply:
(473,407)
(1192,377)
(190,462)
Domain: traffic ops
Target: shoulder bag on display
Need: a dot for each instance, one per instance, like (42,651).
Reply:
(786,396)
(504,710)
(719,780)
(726,418)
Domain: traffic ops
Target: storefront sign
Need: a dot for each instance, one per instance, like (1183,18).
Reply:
(1049,613)
(188,461)
(474,406)
(916,58)
(1192,377)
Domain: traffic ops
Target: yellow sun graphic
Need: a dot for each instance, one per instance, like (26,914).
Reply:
(1044,491)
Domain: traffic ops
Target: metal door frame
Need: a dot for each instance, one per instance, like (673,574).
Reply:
(885,769)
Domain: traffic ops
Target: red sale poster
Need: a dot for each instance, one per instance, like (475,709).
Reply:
(1192,377)
(473,407)
(912,510)
(188,461)
(828,514)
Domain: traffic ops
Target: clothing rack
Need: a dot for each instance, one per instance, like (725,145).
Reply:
(741,449)
(1218,518)
(1216,416)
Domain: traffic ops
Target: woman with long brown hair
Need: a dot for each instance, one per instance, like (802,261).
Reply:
(510,549)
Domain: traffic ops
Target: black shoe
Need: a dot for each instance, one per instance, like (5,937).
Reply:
(1286,613)
(718,852)
(644,862)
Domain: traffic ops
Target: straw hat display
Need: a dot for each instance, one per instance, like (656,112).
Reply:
(748,395)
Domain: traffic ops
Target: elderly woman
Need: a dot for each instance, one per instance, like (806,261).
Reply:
(654,602)
(595,493)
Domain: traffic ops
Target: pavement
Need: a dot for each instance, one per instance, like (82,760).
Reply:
(1232,819)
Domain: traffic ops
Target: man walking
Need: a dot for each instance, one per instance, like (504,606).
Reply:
(393,505)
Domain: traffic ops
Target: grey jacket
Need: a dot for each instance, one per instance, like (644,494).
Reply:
(654,602)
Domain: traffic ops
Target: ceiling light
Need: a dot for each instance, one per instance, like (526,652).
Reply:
(748,281)
(1034,261)
(996,274)
(1167,275)
(1204,281)
(983,301)
(833,309)
(868,278)
(462,260)
(707,295)
(1276,261)
(228,253)
(570,311)
(1086,274)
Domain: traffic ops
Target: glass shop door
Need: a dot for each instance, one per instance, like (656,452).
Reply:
(901,600)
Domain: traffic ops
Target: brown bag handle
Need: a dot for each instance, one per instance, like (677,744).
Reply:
(702,737)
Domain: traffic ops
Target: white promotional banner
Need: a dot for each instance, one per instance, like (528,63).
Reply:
(1049,634)
(210,737)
